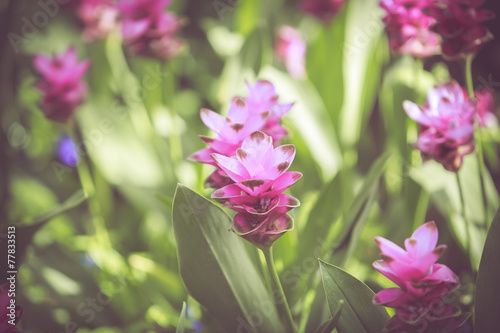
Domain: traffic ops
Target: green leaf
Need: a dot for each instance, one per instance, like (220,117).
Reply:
(25,231)
(217,270)
(358,315)
(329,326)
(487,298)
(182,319)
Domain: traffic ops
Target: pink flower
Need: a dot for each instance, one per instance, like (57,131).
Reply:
(324,10)
(262,97)
(446,125)
(290,48)
(422,283)
(148,30)
(259,173)
(485,108)
(60,84)
(260,111)
(8,311)
(100,18)
(408,28)
(459,24)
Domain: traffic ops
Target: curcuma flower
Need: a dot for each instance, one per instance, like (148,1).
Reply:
(446,132)
(60,84)
(459,23)
(290,48)
(422,284)
(149,30)
(485,108)
(408,28)
(260,111)
(260,174)
(10,314)
(324,10)
(100,18)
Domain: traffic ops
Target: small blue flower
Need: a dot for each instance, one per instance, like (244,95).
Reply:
(67,151)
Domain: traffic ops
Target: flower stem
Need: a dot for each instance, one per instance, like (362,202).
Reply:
(168,91)
(282,303)
(479,148)
(464,214)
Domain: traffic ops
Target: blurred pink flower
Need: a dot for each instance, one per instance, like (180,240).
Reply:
(100,18)
(459,24)
(262,97)
(259,173)
(446,132)
(9,313)
(422,283)
(290,48)
(60,84)
(148,30)
(408,28)
(324,10)
(485,108)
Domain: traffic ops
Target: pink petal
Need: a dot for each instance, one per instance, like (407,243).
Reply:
(284,153)
(385,270)
(213,120)
(132,29)
(390,249)
(219,146)
(238,111)
(392,297)
(426,236)
(284,181)
(202,156)
(43,64)
(252,166)
(234,169)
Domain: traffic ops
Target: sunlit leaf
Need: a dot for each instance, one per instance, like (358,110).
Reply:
(182,319)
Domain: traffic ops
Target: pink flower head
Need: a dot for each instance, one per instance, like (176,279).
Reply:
(290,48)
(446,125)
(259,173)
(148,30)
(485,108)
(324,10)
(60,84)
(100,18)
(9,312)
(408,28)
(459,22)
(262,97)
(422,283)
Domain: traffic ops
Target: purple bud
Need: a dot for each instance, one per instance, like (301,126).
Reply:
(67,151)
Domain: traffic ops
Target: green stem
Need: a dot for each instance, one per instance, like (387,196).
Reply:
(464,214)
(282,304)
(479,148)
(168,91)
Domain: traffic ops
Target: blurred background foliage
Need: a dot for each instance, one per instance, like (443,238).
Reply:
(141,121)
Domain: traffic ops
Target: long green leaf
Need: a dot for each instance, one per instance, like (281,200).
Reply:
(329,326)
(358,315)
(182,319)
(487,292)
(216,268)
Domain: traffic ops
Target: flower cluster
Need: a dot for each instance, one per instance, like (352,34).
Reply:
(148,29)
(9,313)
(259,174)
(100,18)
(459,25)
(60,84)
(485,108)
(408,28)
(290,48)
(446,131)
(324,10)
(422,283)
(260,111)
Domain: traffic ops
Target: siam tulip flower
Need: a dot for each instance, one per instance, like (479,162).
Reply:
(100,18)
(290,48)
(9,313)
(261,98)
(60,84)
(324,10)
(148,30)
(260,174)
(446,131)
(67,151)
(459,22)
(408,28)
(485,108)
(422,283)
